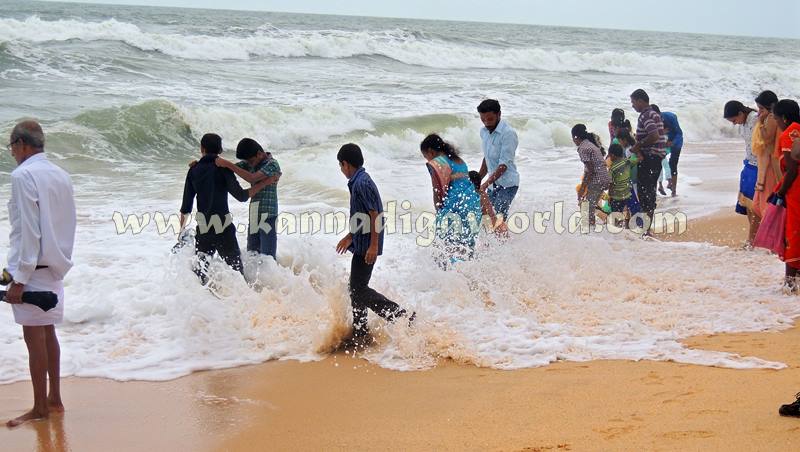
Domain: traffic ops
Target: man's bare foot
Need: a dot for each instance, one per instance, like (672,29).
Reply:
(29,416)
(55,406)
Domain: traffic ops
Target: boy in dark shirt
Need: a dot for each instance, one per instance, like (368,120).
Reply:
(365,241)
(211,185)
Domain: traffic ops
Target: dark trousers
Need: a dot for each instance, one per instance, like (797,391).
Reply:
(618,205)
(224,244)
(501,198)
(674,156)
(649,172)
(363,297)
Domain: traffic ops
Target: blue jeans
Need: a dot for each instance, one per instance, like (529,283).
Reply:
(501,198)
(264,242)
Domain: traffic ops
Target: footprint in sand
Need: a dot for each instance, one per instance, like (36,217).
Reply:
(689,434)
(694,414)
(559,447)
(616,432)
(651,379)
(678,397)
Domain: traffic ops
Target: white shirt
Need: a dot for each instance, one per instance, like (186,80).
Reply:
(42,216)
(747,132)
(500,148)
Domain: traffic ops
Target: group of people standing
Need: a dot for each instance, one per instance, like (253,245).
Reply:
(631,171)
(769,176)
(772,151)
(43,219)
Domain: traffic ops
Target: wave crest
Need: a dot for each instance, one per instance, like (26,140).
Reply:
(408,47)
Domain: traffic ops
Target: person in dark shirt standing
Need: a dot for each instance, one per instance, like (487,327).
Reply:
(365,241)
(211,185)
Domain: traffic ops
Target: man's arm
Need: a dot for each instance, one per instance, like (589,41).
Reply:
(188,200)
(24,194)
(498,173)
(483,170)
(508,151)
(233,187)
(272,172)
(241,172)
(374,238)
(789,178)
(259,186)
(649,140)
(796,151)
(345,243)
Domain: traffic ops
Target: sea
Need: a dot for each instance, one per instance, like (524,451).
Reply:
(125,93)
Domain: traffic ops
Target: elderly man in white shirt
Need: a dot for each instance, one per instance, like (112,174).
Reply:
(42,216)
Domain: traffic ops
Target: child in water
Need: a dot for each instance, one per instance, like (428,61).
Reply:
(620,190)
(626,140)
(498,225)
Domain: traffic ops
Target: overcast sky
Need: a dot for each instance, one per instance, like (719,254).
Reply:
(778,18)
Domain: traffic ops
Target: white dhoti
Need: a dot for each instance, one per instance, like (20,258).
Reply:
(42,280)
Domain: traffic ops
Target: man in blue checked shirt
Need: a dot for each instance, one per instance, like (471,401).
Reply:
(499,142)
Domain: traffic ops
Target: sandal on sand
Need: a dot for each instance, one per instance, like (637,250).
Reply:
(791,409)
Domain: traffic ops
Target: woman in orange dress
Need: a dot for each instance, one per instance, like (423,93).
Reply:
(787,115)
(765,139)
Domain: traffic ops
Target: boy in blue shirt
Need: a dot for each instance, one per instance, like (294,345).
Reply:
(365,241)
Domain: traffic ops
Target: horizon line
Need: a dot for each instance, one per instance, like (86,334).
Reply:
(418,18)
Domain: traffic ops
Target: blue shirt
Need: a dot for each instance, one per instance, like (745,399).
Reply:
(364,197)
(500,148)
(675,133)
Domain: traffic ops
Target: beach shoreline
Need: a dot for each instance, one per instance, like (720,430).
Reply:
(344,402)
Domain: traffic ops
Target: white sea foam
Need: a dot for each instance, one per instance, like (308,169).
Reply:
(135,312)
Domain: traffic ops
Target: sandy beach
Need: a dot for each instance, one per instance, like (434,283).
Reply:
(344,402)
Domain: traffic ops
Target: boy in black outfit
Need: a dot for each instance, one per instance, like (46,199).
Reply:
(211,185)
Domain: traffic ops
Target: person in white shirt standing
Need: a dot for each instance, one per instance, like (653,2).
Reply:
(42,216)
(499,142)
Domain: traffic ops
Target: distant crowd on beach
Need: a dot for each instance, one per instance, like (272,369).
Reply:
(622,183)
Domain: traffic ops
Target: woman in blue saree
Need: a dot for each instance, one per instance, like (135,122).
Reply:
(458,206)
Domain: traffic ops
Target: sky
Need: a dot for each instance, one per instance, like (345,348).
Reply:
(771,18)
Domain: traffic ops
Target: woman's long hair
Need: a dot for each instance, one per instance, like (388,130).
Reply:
(580,132)
(734,107)
(435,142)
(788,109)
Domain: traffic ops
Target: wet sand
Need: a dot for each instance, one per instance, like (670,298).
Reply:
(343,402)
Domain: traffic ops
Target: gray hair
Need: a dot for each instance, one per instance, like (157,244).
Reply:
(30,133)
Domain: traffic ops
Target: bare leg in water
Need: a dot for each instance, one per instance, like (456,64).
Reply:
(755,222)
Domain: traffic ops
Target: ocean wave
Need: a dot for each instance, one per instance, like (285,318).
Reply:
(408,47)
(162,131)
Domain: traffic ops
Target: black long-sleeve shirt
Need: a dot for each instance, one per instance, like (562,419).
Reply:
(211,185)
